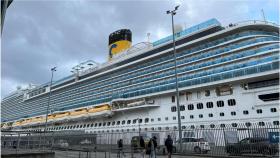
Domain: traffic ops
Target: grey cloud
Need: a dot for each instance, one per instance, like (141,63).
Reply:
(40,34)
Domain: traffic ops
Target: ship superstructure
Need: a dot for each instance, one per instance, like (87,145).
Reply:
(226,75)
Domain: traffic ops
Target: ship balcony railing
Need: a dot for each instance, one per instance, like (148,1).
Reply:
(248,22)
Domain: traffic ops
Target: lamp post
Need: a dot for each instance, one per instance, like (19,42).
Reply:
(173,12)
(50,92)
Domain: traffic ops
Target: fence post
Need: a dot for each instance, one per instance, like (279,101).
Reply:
(28,135)
(249,135)
(4,142)
(39,141)
(18,142)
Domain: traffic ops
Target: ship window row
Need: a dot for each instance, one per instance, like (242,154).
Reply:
(251,63)
(232,113)
(147,120)
(143,79)
(220,103)
(124,72)
(247,124)
(154,68)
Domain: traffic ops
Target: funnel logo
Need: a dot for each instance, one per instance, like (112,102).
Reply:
(110,50)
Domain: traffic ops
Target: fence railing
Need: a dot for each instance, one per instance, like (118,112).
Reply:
(222,141)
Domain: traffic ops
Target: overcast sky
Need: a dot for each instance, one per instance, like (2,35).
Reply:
(38,35)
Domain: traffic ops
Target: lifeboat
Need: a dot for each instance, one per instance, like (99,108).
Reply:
(18,123)
(51,117)
(100,111)
(79,113)
(37,120)
(27,121)
(61,116)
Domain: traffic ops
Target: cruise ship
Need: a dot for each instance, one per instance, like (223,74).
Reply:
(227,76)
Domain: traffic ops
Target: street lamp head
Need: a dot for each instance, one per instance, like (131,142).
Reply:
(53,69)
(168,12)
(176,8)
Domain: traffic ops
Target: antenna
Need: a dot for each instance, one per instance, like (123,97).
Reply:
(148,36)
(263,15)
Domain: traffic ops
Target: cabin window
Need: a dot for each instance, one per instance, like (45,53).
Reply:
(222,114)
(269,97)
(210,115)
(146,120)
(173,99)
(231,102)
(261,123)
(233,113)
(209,104)
(248,124)
(123,122)
(108,123)
(182,108)
(220,103)
(234,124)
(212,126)
(273,110)
(200,116)
(245,112)
(152,120)
(173,109)
(118,122)
(174,118)
(259,111)
(276,123)
(166,118)
(188,95)
(182,117)
(199,106)
(128,121)
(191,116)
(140,120)
(134,121)
(159,119)
(190,107)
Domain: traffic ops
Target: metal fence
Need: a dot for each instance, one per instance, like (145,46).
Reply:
(253,140)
